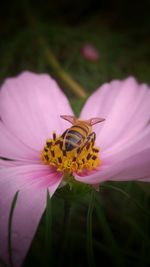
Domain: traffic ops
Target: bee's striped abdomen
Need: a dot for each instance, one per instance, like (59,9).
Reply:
(73,138)
(83,130)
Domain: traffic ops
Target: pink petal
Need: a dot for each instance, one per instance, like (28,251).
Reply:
(125,105)
(7,163)
(131,161)
(124,138)
(13,163)
(30,107)
(132,168)
(132,147)
(100,103)
(132,121)
(145,179)
(32,182)
(12,148)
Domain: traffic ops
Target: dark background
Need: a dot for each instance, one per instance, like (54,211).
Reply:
(120,29)
(114,227)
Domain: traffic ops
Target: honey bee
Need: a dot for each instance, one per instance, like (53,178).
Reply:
(79,135)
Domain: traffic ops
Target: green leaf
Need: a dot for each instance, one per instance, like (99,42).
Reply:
(65,234)
(127,195)
(89,241)
(13,205)
(48,230)
(108,235)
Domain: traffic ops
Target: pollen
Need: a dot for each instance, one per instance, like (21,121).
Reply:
(80,159)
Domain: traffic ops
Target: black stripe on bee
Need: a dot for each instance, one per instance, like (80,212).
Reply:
(77,126)
(74,137)
(71,141)
(69,146)
(77,134)
(86,128)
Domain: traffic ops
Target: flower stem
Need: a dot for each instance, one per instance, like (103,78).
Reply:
(65,233)
(48,231)
(14,201)
(62,75)
(89,242)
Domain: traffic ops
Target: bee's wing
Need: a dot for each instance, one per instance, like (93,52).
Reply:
(71,119)
(93,121)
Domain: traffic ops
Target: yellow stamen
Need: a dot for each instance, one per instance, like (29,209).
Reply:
(79,159)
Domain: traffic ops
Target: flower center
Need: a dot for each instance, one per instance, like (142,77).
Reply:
(70,156)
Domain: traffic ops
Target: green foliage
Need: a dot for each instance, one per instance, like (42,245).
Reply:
(48,230)
(89,235)
(14,201)
(89,227)
(121,54)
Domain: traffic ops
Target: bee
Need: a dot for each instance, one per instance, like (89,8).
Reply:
(79,135)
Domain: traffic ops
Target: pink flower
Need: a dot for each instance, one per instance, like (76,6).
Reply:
(30,109)
(90,52)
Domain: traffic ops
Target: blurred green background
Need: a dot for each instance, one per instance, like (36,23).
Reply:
(82,227)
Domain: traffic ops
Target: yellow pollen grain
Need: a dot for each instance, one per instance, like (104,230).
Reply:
(70,161)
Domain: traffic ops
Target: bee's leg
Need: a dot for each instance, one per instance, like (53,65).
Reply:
(90,146)
(60,142)
(63,135)
(90,140)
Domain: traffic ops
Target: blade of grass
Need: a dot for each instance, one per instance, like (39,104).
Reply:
(89,241)
(13,205)
(128,254)
(48,230)
(128,196)
(65,233)
(51,59)
(61,74)
(108,235)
